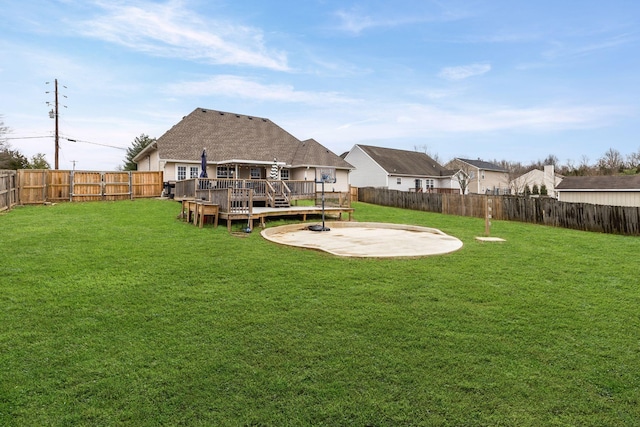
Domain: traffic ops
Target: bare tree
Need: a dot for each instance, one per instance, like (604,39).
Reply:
(424,148)
(518,185)
(551,159)
(584,168)
(633,161)
(611,162)
(463,174)
(4,130)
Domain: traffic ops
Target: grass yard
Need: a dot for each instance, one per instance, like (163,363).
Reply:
(117,313)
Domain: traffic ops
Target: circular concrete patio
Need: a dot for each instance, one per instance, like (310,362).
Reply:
(366,239)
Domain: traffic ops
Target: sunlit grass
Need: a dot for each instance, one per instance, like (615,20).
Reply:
(120,314)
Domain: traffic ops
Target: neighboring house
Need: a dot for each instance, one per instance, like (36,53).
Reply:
(239,147)
(397,170)
(536,177)
(480,177)
(600,190)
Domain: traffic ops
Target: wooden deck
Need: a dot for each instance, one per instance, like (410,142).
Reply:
(190,212)
(261,214)
(257,200)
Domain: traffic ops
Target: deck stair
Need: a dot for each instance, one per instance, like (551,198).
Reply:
(281,202)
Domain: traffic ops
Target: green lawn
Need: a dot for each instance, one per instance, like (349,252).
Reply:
(119,314)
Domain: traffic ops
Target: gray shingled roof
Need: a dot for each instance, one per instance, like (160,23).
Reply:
(586,183)
(481,164)
(312,153)
(228,136)
(403,162)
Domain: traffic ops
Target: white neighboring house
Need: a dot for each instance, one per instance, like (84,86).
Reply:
(601,190)
(548,178)
(480,177)
(398,170)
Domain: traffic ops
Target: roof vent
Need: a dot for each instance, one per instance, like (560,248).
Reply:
(221,113)
(203,110)
(264,120)
(238,115)
(250,118)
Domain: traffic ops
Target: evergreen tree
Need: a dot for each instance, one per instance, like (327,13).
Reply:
(136,147)
(38,161)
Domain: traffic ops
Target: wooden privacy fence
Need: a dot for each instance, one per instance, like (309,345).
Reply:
(46,185)
(544,210)
(8,189)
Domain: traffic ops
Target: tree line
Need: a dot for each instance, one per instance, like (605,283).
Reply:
(612,162)
(11,158)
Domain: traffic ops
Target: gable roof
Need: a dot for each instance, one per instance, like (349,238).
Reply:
(229,137)
(403,162)
(600,183)
(535,172)
(311,153)
(481,164)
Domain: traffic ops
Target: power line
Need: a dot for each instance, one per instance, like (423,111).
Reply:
(28,137)
(68,139)
(94,143)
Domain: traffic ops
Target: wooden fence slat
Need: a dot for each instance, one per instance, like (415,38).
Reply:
(535,210)
(40,186)
(8,189)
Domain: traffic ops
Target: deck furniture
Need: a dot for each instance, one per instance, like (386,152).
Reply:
(254,200)
(205,209)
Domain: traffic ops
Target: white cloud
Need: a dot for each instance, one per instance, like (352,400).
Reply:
(392,15)
(565,49)
(171,30)
(389,123)
(236,86)
(354,23)
(464,71)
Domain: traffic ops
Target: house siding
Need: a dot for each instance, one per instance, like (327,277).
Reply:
(309,174)
(610,198)
(149,162)
(484,180)
(386,166)
(367,173)
(548,178)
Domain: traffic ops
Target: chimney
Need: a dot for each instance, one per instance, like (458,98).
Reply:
(549,180)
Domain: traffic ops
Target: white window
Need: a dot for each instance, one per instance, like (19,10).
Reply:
(193,172)
(430,183)
(225,172)
(399,181)
(182,173)
(256,173)
(284,174)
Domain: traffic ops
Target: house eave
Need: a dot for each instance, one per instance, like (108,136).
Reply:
(145,151)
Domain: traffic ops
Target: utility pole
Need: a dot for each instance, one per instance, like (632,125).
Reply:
(54,115)
(57,137)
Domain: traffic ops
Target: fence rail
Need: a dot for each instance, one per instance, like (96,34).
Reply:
(41,186)
(8,189)
(544,210)
(192,188)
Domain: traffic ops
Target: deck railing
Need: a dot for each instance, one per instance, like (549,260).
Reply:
(196,188)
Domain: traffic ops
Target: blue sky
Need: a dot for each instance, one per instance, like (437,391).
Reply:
(491,79)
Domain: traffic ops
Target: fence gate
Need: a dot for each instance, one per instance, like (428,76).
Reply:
(93,186)
(8,192)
